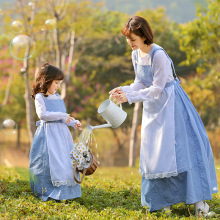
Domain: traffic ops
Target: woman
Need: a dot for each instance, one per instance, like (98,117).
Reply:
(176,159)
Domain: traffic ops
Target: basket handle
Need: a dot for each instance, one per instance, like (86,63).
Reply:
(74,172)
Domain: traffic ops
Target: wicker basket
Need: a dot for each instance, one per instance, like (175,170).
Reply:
(88,171)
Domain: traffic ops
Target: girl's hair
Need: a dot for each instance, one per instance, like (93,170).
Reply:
(45,77)
(138,26)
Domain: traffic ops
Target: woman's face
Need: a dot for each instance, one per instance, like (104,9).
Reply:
(54,86)
(136,42)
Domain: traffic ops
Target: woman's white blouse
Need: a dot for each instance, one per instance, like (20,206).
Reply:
(138,91)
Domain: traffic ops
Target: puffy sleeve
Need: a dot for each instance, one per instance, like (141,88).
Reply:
(45,115)
(137,84)
(161,67)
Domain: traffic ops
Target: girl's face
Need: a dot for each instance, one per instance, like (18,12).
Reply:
(54,86)
(136,42)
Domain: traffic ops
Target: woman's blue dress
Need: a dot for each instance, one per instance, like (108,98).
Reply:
(50,168)
(186,174)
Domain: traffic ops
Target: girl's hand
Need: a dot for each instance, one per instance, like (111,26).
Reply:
(117,90)
(119,98)
(78,125)
(69,118)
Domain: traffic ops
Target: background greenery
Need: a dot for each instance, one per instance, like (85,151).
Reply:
(110,193)
(102,61)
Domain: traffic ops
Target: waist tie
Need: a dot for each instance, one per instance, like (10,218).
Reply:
(42,122)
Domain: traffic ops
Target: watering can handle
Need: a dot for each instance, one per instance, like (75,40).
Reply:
(120,104)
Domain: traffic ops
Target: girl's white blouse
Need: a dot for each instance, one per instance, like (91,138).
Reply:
(45,115)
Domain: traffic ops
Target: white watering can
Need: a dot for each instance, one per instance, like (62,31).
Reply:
(114,115)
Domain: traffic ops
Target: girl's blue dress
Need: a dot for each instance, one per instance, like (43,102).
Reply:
(50,168)
(176,159)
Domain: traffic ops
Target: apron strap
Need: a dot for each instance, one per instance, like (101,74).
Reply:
(172,65)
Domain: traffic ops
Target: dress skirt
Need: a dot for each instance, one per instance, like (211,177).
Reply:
(196,179)
(39,170)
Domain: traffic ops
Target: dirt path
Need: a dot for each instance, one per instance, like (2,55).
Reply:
(14,157)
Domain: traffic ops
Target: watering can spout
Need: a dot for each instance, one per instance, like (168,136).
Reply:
(89,127)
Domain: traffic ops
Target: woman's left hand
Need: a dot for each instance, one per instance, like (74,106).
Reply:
(116,90)
(119,98)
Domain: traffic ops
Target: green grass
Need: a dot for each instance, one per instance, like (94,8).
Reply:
(111,193)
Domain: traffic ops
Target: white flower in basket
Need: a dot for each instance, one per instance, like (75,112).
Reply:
(83,159)
(81,156)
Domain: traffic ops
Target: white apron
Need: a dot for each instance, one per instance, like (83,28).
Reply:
(157,153)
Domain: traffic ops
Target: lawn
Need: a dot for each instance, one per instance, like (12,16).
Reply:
(111,193)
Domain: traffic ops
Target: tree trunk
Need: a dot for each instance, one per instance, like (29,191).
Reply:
(66,81)
(27,96)
(18,135)
(133,139)
(29,108)
(7,91)
(57,46)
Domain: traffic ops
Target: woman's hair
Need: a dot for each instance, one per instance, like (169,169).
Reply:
(45,77)
(138,26)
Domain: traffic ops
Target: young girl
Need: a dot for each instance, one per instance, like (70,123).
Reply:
(51,171)
(176,159)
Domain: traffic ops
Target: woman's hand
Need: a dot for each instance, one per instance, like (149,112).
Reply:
(119,97)
(117,90)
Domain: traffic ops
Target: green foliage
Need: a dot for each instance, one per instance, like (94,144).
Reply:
(199,39)
(204,92)
(15,108)
(110,193)
(102,58)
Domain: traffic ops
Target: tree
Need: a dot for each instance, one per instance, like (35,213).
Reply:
(28,100)
(14,108)
(88,46)
(199,39)
(133,139)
